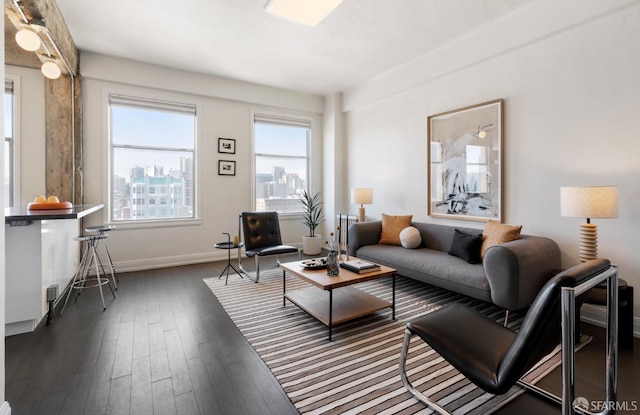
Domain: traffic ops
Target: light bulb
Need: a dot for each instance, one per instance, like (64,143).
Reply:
(482,134)
(50,69)
(27,39)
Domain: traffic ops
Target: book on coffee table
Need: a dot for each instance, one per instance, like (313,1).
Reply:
(359,266)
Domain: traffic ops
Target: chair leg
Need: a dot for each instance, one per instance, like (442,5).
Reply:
(404,352)
(257,268)
(247,273)
(257,264)
(97,262)
(76,276)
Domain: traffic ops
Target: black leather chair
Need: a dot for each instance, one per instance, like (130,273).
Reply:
(495,358)
(262,238)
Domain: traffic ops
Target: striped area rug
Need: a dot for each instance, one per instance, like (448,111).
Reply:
(357,373)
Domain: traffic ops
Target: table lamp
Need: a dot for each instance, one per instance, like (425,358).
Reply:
(590,202)
(361,197)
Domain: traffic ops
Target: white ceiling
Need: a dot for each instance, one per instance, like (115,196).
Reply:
(237,39)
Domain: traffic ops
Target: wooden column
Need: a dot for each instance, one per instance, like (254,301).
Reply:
(63,139)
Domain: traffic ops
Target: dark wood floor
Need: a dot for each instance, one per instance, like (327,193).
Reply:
(166,346)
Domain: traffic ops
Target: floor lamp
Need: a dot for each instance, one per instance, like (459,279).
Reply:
(361,197)
(590,202)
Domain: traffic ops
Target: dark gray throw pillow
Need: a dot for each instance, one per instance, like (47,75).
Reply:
(466,246)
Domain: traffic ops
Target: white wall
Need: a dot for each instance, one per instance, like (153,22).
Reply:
(225,109)
(30,132)
(5,409)
(569,74)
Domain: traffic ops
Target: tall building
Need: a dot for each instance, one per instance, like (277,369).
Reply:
(157,195)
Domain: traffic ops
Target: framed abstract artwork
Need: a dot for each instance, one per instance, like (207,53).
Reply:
(226,168)
(465,162)
(227,145)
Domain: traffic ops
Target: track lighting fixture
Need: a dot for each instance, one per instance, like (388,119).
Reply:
(27,39)
(50,69)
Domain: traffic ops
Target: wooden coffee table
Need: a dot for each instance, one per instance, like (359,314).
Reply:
(346,303)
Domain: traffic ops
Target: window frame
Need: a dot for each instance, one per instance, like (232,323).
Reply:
(15,182)
(166,101)
(284,119)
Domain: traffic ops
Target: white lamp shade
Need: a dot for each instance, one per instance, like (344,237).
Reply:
(362,196)
(593,202)
(27,39)
(50,69)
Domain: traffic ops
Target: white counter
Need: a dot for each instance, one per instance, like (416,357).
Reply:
(40,253)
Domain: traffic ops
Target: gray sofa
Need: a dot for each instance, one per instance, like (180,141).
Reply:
(510,275)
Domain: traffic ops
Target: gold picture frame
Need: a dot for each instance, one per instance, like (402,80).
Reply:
(464,155)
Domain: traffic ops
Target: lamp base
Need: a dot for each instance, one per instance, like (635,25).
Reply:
(361,217)
(588,248)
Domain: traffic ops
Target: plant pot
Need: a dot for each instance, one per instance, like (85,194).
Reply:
(312,245)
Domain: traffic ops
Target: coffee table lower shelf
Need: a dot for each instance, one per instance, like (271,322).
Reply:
(336,306)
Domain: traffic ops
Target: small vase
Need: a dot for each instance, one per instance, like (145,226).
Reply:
(333,268)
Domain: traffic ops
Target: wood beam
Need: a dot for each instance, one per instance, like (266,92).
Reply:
(54,32)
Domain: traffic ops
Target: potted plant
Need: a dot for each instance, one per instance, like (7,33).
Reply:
(312,208)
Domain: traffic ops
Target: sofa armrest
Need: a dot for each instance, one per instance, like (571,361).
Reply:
(363,233)
(517,270)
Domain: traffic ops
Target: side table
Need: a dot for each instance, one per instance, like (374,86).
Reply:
(228,246)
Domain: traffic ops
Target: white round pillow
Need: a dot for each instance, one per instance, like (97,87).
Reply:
(410,237)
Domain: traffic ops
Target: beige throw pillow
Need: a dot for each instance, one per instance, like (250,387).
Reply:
(498,233)
(391,228)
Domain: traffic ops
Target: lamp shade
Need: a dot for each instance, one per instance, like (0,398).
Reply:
(27,39)
(591,202)
(50,69)
(362,196)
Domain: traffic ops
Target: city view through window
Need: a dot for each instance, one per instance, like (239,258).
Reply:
(153,149)
(281,165)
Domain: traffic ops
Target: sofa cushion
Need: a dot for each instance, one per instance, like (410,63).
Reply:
(498,233)
(391,228)
(433,267)
(410,237)
(466,246)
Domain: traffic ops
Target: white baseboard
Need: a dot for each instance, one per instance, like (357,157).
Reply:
(5,409)
(597,316)
(178,260)
(172,261)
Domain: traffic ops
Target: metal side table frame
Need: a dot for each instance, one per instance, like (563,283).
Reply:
(228,246)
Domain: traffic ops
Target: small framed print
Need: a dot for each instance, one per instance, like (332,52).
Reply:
(227,145)
(226,168)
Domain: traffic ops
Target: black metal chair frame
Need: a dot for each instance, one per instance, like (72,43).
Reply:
(568,342)
(263,250)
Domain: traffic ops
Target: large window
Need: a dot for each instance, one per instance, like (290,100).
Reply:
(9,180)
(152,159)
(281,151)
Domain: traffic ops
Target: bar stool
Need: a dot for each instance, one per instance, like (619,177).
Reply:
(104,230)
(89,258)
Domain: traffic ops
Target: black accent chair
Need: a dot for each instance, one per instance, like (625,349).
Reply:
(495,358)
(262,238)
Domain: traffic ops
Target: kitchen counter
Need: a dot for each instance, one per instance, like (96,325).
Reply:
(22,213)
(41,255)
